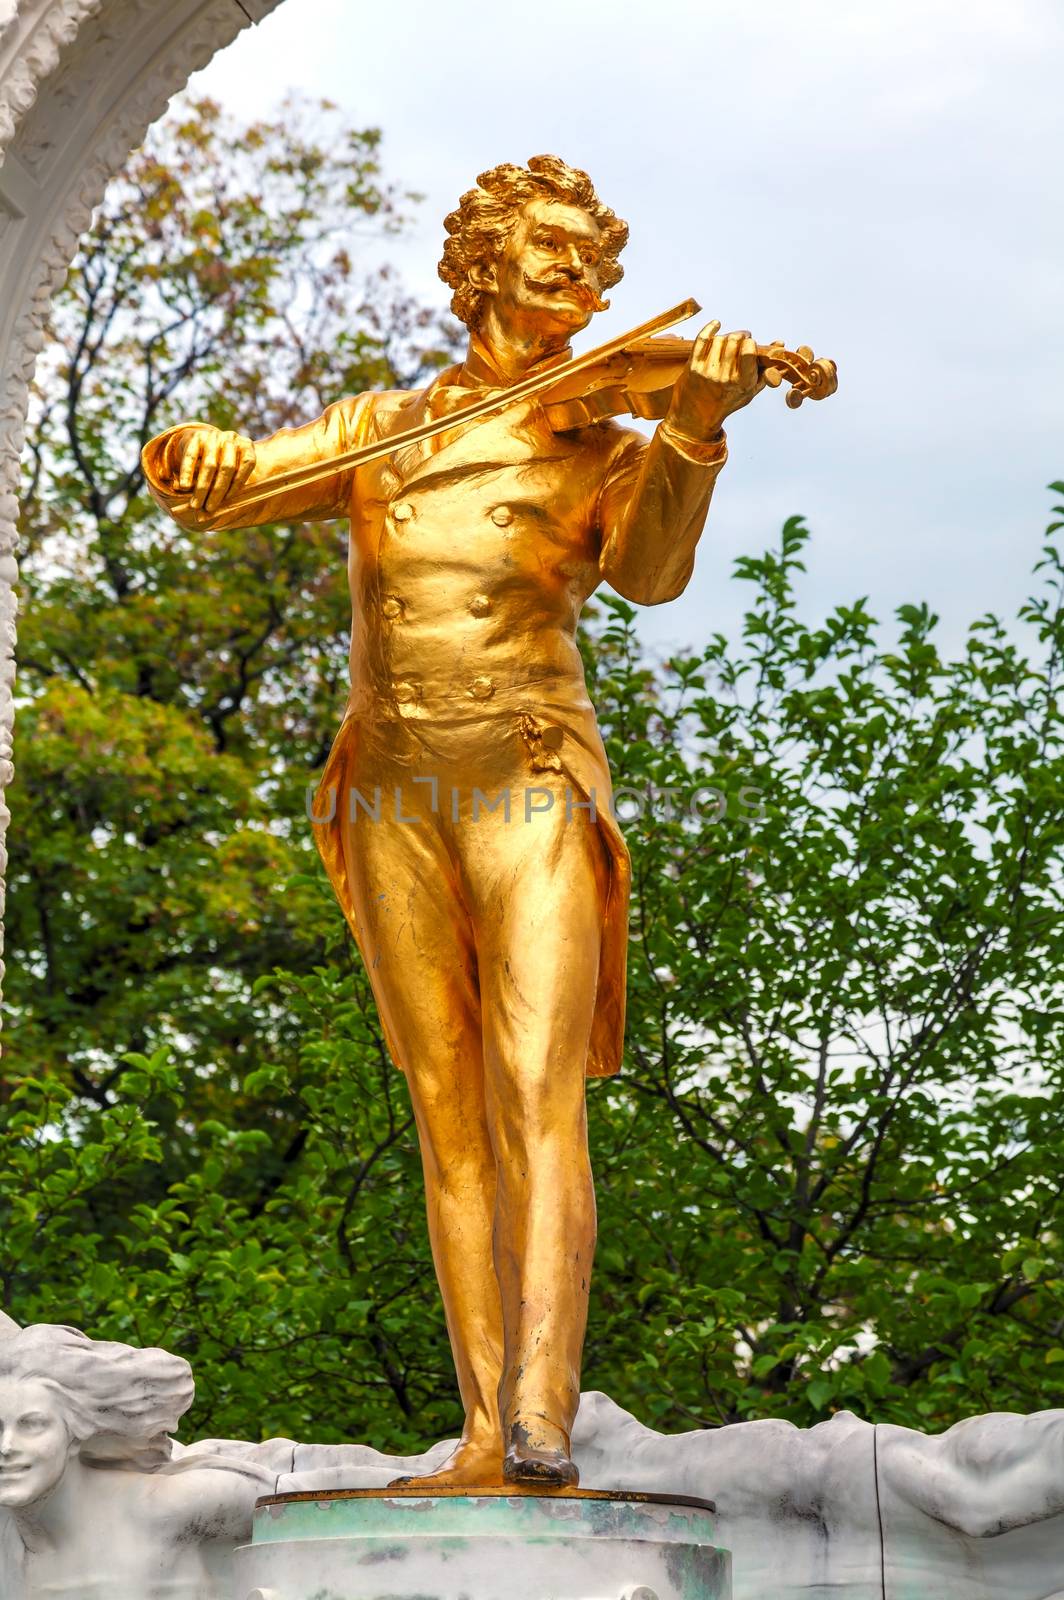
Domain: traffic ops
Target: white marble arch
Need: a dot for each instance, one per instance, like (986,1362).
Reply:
(80,83)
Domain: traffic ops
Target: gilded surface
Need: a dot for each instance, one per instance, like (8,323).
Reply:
(464,814)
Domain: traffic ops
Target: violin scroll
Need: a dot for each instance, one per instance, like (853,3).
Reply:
(811,378)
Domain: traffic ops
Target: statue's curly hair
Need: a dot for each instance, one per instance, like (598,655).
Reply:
(485,216)
(119,1403)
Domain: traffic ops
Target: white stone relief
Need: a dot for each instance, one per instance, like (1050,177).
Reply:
(91,1503)
(842,1511)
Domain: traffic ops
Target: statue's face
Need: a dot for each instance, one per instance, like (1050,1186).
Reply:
(547,278)
(34,1442)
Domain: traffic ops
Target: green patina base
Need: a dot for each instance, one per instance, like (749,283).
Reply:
(407,1545)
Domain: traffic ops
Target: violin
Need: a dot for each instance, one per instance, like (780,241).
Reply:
(631,375)
(638,381)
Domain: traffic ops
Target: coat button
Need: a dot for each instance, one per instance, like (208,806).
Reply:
(404,693)
(391,607)
(482,688)
(502,516)
(480,605)
(403,511)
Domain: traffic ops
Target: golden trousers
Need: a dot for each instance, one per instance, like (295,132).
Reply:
(481,932)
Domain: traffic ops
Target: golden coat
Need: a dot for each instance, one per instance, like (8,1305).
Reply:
(471,557)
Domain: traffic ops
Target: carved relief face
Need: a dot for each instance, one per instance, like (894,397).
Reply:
(548,275)
(35,1442)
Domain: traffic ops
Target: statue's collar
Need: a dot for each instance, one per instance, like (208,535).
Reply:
(479,370)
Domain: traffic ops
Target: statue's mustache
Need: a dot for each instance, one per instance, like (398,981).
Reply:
(577,285)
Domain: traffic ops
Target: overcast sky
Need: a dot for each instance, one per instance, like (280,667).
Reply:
(881,182)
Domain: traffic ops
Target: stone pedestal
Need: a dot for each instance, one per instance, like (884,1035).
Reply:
(368,1544)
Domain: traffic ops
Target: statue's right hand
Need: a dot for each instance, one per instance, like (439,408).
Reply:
(203,464)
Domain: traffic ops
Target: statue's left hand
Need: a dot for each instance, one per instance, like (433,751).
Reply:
(722,376)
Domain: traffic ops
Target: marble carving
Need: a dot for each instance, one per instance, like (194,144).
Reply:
(92,1500)
(842,1511)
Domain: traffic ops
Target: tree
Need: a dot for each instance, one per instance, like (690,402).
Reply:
(829,1174)
(846,1017)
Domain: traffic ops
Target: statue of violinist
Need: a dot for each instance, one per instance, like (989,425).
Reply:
(488,890)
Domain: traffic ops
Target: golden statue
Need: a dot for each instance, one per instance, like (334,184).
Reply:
(464,814)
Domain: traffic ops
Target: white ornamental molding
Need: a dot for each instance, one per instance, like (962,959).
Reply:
(81,81)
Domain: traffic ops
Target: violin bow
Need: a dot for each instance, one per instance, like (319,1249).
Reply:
(303,477)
